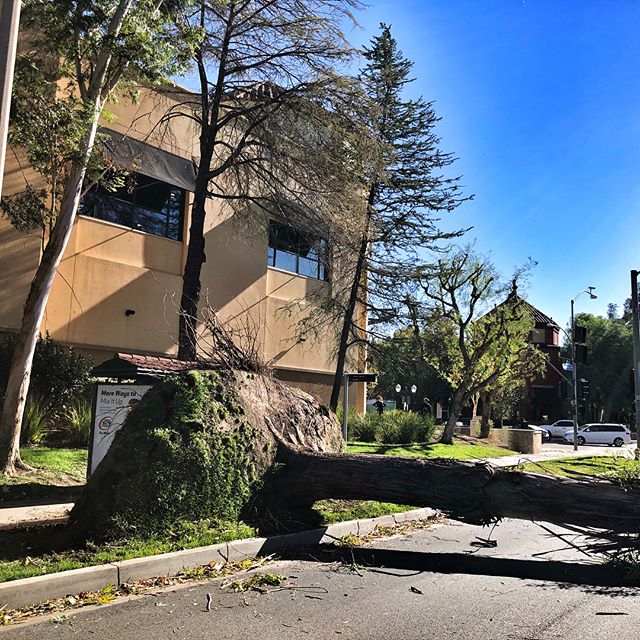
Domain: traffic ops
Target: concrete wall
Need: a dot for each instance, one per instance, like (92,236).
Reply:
(525,440)
(108,269)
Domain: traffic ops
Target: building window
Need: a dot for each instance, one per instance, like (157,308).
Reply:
(539,336)
(296,252)
(144,204)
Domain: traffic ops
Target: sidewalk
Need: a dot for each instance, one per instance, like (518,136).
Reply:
(39,515)
(554,451)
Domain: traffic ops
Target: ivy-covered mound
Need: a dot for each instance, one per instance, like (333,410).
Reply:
(195,448)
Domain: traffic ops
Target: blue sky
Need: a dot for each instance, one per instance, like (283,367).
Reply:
(540,100)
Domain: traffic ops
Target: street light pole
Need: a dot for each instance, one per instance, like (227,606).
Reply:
(575,378)
(593,296)
(9,23)
(636,351)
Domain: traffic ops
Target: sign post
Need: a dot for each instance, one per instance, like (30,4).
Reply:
(111,405)
(345,405)
(347,378)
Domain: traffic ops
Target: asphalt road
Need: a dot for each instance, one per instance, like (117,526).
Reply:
(437,583)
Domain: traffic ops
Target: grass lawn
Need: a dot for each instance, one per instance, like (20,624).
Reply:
(193,535)
(341,510)
(580,467)
(61,467)
(459,450)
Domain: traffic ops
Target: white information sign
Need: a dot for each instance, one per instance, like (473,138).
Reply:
(113,403)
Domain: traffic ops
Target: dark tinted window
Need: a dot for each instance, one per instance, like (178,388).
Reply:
(296,252)
(144,203)
(565,423)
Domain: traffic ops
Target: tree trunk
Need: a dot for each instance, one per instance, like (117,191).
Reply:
(210,110)
(457,403)
(472,492)
(485,429)
(187,333)
(20,372)
(347,322)
(475,397)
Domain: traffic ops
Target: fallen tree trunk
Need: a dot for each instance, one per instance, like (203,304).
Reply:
(200,445)
(472,492)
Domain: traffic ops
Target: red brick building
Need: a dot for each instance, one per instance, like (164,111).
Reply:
(543,401)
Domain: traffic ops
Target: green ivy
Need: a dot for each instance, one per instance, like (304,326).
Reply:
(174,460)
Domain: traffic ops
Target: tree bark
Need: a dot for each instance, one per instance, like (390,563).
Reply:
(187,332)
(20,372)
(472,492)
(457,403)
(485,429)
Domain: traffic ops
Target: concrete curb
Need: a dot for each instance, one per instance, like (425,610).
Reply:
(20,593)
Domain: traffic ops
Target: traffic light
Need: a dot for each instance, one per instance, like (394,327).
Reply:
(581,354)
(579,334)
(584,389)
(562,390)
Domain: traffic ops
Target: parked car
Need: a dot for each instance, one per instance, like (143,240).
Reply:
(558,428)
(601,433)
(546,436)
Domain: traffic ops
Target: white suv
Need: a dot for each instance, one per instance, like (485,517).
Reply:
(611,434)
(558,428)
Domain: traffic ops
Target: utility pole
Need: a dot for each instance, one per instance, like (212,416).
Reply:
(575,378)
(636,350)
(593,296)
(9,23)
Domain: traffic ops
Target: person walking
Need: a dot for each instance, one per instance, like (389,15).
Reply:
(379,404)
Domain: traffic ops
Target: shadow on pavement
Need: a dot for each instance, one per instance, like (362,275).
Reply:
(594,575)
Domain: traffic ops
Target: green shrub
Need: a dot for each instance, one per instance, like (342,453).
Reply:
(77,422)
(362,426)
(388,429)
(59,376)
(34,420)
(392,427)
(369,429)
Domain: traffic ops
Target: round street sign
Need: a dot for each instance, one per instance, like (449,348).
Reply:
(414,388)
(398,388)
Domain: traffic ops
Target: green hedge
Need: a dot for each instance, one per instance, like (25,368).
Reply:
(59,381)
(392,427)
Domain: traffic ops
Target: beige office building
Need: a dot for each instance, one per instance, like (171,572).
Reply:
(121,275)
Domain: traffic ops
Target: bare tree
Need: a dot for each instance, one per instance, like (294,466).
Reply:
(277,123)
(484,325)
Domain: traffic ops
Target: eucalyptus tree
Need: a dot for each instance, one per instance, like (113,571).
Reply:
(278,124)
(78,54)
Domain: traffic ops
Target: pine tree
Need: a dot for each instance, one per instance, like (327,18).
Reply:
(407,193)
